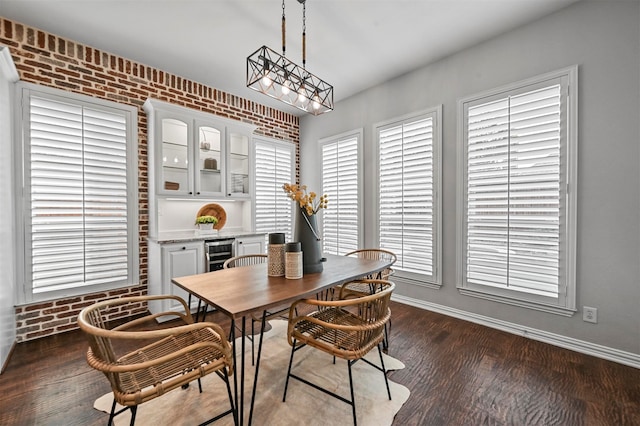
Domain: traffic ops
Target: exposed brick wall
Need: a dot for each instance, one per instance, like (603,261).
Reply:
(49,60)
(56,316)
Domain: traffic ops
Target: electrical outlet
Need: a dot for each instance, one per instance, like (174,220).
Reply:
(590,314)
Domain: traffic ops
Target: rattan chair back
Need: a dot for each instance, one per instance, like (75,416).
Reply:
(377,254)
(245,260)
(347,328)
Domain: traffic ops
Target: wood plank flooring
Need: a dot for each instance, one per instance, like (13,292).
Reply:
(459,373)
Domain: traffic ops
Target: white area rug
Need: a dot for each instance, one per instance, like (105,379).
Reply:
(304,406)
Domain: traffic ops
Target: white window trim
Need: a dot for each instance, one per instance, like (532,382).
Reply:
(276,143)
(569,263)
(404,277)
(24,290)
(359,134)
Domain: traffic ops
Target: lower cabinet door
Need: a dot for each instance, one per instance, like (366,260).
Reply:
(179,260)
(250,245)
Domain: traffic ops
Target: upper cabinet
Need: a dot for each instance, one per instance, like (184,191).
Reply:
(195,154)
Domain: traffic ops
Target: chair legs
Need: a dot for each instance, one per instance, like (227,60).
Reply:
(351,402)
(225,378)
(114,413)
(353,398)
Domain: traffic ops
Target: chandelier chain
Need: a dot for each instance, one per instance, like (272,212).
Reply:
(304,34)
(284,26)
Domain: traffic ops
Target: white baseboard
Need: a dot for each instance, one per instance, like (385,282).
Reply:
(604,352)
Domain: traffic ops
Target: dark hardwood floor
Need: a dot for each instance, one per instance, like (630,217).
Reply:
(459,373)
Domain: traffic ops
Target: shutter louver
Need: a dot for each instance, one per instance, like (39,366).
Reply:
(340,220)
(513,192)
(78,183)
(406,194)
(273,168)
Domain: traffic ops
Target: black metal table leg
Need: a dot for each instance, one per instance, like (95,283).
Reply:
(255,378)
(232,337)
(241,421)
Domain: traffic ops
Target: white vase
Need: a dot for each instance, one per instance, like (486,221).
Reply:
(205,226)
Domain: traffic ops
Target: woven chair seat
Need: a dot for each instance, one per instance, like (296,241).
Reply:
(141,385)
(352,340)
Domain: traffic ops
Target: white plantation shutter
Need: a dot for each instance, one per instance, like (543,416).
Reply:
(513,192)
(340,220)
(518,200)
(79,220)
(274,167)
(406,193)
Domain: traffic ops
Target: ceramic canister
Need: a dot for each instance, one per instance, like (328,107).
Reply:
(293,261)
(275,255)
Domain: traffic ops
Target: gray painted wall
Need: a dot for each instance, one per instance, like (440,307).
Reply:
(603,38)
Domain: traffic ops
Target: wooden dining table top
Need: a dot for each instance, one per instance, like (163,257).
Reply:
(242,290)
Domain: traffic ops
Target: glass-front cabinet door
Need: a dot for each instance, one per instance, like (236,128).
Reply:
(175,154)
(210,159)
(238,164)
(196,154)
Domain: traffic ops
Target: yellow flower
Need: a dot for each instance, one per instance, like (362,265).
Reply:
(307,201)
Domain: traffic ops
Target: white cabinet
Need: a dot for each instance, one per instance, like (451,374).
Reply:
(195,154)
(254,244)
(167,261)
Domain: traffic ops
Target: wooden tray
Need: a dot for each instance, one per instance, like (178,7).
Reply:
(216,210)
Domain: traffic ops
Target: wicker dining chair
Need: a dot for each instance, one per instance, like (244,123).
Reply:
(347,329)
(364,288)
(142,362)
(377,254)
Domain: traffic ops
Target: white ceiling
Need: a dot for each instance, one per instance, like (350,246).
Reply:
(351,44)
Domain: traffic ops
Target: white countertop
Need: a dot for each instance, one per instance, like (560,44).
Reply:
(197,235)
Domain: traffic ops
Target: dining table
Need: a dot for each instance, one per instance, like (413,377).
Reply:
(239,292)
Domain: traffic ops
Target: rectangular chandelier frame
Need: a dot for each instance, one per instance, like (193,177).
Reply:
(274,75)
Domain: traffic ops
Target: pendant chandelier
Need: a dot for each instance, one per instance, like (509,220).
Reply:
(274,75)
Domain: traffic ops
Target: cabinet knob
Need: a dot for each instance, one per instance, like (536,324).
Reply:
(197,193)
(190,193)
(184,248)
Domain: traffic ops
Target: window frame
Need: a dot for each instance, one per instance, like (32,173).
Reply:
(24,288)
(359,135)
(566,301)
(278,144)
(435,280)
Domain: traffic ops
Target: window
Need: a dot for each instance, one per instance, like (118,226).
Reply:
(80,194)
(518,193)
(274,166)
(408,203)
(341,183)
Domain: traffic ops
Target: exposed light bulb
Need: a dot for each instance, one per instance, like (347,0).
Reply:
(316,104)
(285,88)
(266,81)
(301,96)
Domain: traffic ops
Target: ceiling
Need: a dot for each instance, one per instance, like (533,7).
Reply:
(351,44)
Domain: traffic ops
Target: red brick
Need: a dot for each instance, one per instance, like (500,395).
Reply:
(39,334)
(68,301)
(39,306)
(38,320)
(55,310)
